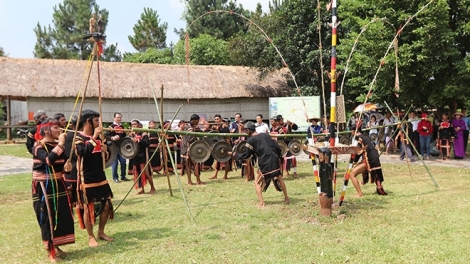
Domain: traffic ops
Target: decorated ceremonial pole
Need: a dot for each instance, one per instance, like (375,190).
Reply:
(333,73)
(325,156)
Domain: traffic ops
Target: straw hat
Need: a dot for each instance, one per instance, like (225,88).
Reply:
(314,119)
(459,112)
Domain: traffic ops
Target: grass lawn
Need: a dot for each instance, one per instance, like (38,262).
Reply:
(17,150)
(415,223)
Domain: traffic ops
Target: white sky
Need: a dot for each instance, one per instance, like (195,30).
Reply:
(18,18)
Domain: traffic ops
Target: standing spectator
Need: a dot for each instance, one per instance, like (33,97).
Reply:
(403,139)
(234,127)
(445,133)
(389,120)
(459,126)
(466,119)
(353,119)
(372,124)
(425,131)
(313,129)
(412,118)
(261,127)
(116,135)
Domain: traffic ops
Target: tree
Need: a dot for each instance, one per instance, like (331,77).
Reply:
(70,24)
(220,25)
(432,52)
(148,33)
(292,28)
(151,55)
(204,50)
(2,52)
(111,54)
(252,48)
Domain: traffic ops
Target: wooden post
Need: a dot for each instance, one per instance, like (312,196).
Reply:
(9,137)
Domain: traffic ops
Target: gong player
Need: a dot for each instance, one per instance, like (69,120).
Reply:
(268,155)
(188,164)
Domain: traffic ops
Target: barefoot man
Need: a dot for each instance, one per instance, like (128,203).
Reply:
(268,156)
(188,164)
(95,193)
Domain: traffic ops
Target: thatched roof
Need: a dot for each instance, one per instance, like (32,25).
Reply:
(64,78)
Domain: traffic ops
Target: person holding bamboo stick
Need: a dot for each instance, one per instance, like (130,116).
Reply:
(50,200)
(95,193)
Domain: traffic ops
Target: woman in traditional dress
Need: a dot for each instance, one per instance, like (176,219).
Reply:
(50,199)
(459,126)
(445,133)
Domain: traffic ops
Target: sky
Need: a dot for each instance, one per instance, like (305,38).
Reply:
(18,18)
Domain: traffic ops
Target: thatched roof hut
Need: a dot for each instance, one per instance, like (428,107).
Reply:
(64,78)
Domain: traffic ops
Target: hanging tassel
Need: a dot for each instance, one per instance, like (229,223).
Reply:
(91,212)
(79,213)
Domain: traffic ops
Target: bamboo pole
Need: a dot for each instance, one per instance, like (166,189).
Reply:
(100,101)
(82,101)
(165,157)
(414,148)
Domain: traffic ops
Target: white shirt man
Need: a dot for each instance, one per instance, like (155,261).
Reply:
(389,120)
(414,121)
(261,127)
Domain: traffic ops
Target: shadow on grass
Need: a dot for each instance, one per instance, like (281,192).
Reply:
(125,216)
(123,241)
(365,203)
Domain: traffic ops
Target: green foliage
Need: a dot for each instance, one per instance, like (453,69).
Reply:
(2,113)
(111,54)
(219,25)
(2,52)
(253,48)
(432,52)
(204,50)
(151,55)
(70,24)
(292,27)
(148,33)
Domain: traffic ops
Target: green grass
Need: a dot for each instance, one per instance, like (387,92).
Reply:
(415,223)
(17,150)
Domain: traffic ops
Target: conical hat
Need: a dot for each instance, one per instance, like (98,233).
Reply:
(459,112)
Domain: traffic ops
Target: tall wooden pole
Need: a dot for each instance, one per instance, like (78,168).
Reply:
(164,151)
(333,74)
(9,136)
(165,159)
